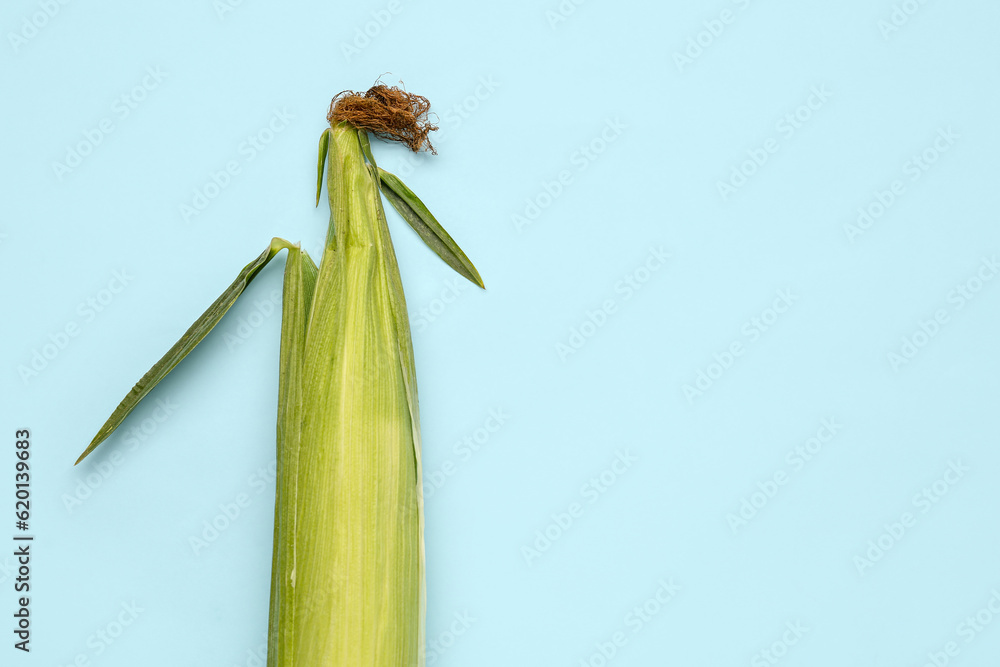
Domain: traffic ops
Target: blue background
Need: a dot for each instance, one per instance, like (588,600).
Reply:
(608,129)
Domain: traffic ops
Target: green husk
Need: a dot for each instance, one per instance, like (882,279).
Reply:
(299,287)
(357,572)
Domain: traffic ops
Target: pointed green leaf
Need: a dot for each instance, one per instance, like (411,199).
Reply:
(188,342)
(430,230)
(324,148)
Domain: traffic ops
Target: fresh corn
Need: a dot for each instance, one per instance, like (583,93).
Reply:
(347,585)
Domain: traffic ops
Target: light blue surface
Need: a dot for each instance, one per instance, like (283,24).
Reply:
(611,147)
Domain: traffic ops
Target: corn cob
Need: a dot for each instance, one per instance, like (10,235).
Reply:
(347,584)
